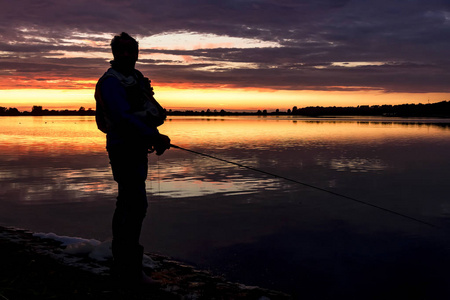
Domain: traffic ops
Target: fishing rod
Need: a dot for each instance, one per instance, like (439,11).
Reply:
(307,185)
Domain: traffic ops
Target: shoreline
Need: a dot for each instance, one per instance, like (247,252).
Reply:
(439,109)
(39,268)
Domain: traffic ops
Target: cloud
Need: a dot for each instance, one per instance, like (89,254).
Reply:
(392,46)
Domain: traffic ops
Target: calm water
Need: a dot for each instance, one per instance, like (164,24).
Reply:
(254,228)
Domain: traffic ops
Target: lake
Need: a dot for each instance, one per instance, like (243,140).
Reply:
(253,227)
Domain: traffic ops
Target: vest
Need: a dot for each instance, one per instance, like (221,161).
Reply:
(139,96)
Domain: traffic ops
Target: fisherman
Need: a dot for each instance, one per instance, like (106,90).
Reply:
(129,115)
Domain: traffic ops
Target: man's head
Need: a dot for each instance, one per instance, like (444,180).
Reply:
(125,50)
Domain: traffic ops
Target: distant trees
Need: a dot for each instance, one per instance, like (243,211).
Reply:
(259,112)
(439,109)
(11,111)
(38,110)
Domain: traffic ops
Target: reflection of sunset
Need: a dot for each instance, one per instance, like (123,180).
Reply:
(50,135)
(59,134)
(74,148)
(248,132)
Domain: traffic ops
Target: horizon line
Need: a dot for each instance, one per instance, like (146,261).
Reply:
(198,109)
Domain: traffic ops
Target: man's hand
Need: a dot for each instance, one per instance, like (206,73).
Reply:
(161,144)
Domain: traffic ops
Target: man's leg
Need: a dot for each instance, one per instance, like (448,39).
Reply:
(130,172)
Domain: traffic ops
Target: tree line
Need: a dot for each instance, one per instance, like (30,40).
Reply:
(37,110)
(439,109)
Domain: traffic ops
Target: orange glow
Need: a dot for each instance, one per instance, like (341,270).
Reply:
(192,97)
(49,134)
(51,99)
(66,135)
(64,76)
(254,99)
(261,131)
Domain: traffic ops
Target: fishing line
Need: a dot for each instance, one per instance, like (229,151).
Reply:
(159,177)
(308,185)
(3,297)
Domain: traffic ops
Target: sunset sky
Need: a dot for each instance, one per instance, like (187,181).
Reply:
(230,54)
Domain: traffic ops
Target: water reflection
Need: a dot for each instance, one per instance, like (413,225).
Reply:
(49,136)
(198,176)
(68,153)
(55,176)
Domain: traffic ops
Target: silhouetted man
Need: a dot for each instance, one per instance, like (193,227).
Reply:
(129,115)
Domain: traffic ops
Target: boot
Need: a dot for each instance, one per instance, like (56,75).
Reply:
(127,267)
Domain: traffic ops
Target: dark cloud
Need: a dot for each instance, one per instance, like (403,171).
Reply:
(400,46)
